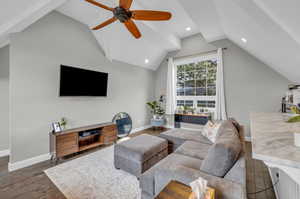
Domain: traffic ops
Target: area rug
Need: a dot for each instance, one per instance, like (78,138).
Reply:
(94,177)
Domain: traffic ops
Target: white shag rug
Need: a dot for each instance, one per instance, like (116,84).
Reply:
(94,177)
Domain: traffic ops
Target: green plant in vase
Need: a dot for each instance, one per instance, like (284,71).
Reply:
(180,109)
(160,112)
(156,109)
(63,123)
(188,110)
(296,118)
(152,106)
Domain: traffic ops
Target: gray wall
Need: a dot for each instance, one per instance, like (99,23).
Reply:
(4,96)
(250,85)
(36,55)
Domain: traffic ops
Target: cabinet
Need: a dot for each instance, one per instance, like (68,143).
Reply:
(71,141)
(200,119)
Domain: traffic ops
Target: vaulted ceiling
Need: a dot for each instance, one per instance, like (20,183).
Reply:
(158,38)
(271,27)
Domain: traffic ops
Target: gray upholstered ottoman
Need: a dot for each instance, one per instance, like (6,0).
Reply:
(140,153)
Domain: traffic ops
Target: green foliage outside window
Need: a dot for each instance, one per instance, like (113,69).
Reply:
(197,79)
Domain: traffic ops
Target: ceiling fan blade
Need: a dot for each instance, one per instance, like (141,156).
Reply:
(150,15)
(125,3)
(111,20)
(100,5)
(130,25)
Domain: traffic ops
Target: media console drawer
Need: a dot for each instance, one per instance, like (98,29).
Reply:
(109,139)
(109,133)
(109,128)
(66,151)
(66,144)
(67,140)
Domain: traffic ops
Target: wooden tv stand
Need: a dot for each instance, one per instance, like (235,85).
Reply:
(71,141)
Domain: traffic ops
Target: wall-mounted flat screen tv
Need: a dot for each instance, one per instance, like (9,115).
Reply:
(81,82)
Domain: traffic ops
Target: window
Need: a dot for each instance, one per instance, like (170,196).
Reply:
(196,82)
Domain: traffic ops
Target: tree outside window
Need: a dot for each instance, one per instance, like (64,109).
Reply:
(196,83)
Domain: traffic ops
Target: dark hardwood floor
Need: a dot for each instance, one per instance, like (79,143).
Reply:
(258,177)
(32,182)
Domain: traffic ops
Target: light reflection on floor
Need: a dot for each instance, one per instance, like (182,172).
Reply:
(123,139)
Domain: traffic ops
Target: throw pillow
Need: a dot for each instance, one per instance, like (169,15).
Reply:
(210,131)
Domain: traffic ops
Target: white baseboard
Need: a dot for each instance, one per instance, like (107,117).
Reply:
(140,129)
(28,162)
(248,139)
(4,153)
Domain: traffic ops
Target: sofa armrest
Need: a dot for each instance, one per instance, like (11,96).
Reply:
(238,172)
(225,189)
(147,183)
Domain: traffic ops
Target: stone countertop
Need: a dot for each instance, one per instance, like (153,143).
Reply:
(273,139)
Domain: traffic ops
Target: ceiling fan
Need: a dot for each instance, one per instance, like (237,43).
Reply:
(126,16)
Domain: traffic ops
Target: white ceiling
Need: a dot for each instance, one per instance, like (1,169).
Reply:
(158,38)
(16,15)
(271,27)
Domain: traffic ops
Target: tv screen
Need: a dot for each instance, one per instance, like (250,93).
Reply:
(81,82)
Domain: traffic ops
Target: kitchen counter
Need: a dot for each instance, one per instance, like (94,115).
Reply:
(273,143)
(273,139)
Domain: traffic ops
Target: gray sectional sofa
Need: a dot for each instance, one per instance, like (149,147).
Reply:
(221,163)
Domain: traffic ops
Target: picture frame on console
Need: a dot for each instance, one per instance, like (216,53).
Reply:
(56,127)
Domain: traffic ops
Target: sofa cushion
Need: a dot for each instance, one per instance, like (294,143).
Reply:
(178,136)
(140,148)
(179,159)
(147,181)
(224,153)
(194,149)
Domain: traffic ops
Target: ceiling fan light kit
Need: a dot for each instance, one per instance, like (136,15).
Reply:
(126,16)
(122,14)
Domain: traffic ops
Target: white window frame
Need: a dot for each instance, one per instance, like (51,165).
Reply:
(194,59)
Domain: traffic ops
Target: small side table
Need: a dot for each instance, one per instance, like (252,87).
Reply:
(157,123)
(178,190)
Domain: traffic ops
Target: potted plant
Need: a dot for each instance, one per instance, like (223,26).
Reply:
(63,123)
(180,109)
(188,110)
(156,109)
(160,112)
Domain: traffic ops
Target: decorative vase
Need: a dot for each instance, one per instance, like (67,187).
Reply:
(161,117)
(155,116)
(63,127)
